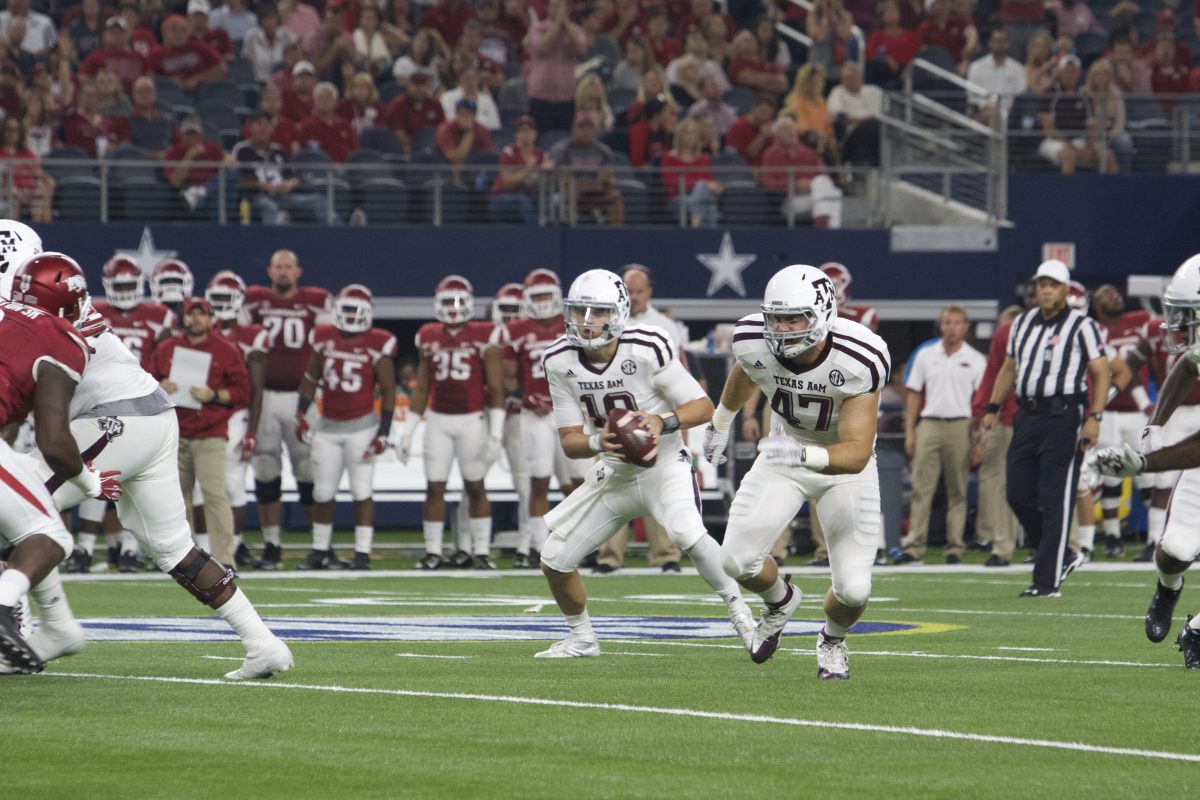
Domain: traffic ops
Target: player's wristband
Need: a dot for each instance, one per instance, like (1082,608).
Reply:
(302,404)
(87,482)
(1139,395)
(993,408)
(385,423)
(815,458)
(594,443)
(722,418)
(496,417)
(670,422)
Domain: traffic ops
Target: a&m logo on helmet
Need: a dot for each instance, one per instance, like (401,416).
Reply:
(825,292)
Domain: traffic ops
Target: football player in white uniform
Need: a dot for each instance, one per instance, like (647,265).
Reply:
(1179,544)
(597,367)
(822,375)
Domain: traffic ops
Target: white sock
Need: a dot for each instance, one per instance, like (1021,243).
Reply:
(433,536)
(525,538)
(1194,623)
(481,535)
(706,555)
(14,585)
(462,527)
(1156,522)
(322,535)
(129,544)
(1173,582)
(364,537)
(52,601)
(113,540)
(1112,527)
(203,542)
(538,533)
(87,541)
(241,616)
(271,534)
(835,631)
(1087,536)
(238,541)
(776,593)
(581,625)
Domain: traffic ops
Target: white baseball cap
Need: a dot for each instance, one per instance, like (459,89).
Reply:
(1055,270)
(199,7)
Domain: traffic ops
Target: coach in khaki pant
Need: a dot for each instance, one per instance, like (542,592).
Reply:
(203,432)
(946,375)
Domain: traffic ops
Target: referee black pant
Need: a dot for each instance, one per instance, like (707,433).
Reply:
(1043,474)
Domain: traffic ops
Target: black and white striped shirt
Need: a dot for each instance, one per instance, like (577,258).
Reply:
(1052,355)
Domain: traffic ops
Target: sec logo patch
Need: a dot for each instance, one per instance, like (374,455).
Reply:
(628,366)
(836,377)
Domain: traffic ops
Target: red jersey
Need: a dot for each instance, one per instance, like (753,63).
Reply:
(249,339)
(288,321)
(527,340)
(348,379)
(139,328)
(188,61)
(997,353)
(1123,337)
(226,371)
(456,381)
(1162,361)
(28,337)
(863,315)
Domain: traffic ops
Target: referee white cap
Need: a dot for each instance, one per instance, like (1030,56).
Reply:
(1055,270)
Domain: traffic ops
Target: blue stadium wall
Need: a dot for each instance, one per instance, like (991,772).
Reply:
(1119,224)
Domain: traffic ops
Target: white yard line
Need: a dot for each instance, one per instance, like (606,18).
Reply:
(1030,649)
(930,733)
(427,655)
(224,658)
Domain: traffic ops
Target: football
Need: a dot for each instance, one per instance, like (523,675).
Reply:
(641,448)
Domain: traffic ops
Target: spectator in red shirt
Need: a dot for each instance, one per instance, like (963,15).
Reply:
(141,37)
(186,61)
(955,34)
(456,138)
(283,130)
(750,135)
(624,20)
(32,188)
(298,98)
(90,130)
(697,17)
(331,47)
(216,38)
(414,110)
(325,128)
(890,48)
(116,55)
(789,164)
(686,163)
(1166,76)
(522,163)
(747,67)
(361,106)
(652,136)
(1166,29)
(665,47)
(448,18)
(191,168)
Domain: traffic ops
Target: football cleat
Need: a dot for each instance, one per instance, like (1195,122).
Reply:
(832,660)
(483,562)
(1113,547)
(743,623)
(1071,560)
(996,561)
(462,560)
(80,562)
(272,557)
(51,643)
(361,561)
(431,561)
(671,567)
(1036,591)
(522,561)
(114,557)
(271,658)
(823,561)
(242,557)
(571,647)
(1146,556)
(322,559)
(1158,615)
(128,562)
(1188,641)
(771,622)
(15,651)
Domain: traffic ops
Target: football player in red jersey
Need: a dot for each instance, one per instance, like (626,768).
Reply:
(451,380)
(225,293)
(350,360)
(171,283)
(508,305)
(840,275)
(289,312)
(42,358)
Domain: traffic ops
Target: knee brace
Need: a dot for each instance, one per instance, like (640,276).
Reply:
(268,491)
(212,590)
(305,490)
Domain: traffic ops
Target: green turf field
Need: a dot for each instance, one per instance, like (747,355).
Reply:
(973,693)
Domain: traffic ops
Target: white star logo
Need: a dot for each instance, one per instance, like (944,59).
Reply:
(146,257)
(726,267)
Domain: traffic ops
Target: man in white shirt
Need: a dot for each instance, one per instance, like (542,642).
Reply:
(997,73)
(946,375)
(854,107)
(487,112)
(40,34)
(233,18)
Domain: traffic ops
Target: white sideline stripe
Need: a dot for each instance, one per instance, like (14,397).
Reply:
(626,653)
(931,733)
(1031,649)
(427,655)
(224,658)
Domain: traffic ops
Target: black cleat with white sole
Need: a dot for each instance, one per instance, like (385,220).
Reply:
(14,650)
(1158,615)
(1189,642)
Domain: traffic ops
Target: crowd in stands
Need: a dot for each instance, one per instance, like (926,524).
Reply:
(530,85)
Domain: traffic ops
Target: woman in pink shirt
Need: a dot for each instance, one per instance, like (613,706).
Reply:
(26,184)
(687,164)
(554,46)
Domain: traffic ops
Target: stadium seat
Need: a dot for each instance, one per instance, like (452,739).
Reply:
(745,203)
(77,199)
(52,163)
(512,97)
(636,198)
(240,74)
(120,164)
(731,167)
(311,165)
(383,140)
(741,98)
(385,201)
(389,91)
(223,92)
(619,101)
(143,198)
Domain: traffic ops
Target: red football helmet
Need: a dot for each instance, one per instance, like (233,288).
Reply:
(225,294)
(507,304)
(171,282)
(543,294)
(841,280)
(1078,297)
(453,300)
(124,284)
(54,283)
(354,309)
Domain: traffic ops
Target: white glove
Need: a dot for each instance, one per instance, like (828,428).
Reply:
(1120,462)
(404,445)
(1089,476)
(785,451)
(495,451)
(715,444)
(1152,439)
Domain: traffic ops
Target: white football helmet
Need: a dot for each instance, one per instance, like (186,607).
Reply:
(453,300)
(225,293)
(124,284)
(1180,303)
(543,284)
(18,243)
(508,303)
(354,309)
(798,291)
(171,282)
(597,299)
(840,275)
(1078,297)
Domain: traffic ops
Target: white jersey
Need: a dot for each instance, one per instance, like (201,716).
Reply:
(112,374)
(644,375)
(807,400)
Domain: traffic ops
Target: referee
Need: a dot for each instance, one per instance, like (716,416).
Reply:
(1051,351)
